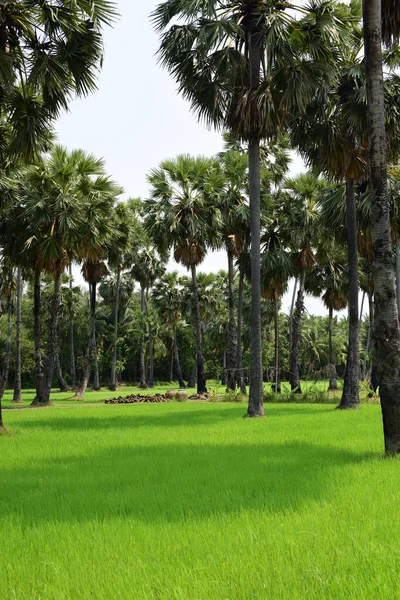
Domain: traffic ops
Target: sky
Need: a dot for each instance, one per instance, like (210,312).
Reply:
(136,119)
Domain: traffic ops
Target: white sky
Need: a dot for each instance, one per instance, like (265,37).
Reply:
(136,118)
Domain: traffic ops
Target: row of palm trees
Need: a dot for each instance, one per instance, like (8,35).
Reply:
(260,68)
(257,69)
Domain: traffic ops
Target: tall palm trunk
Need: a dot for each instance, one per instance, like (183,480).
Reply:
(350,397)
(17,396)
(6,363)
(398,277)
(239,356)
(37,316)
(362,306)
(72,339)
(178,368)
(113,382)
(193,376)
(256,400)
(277,383)
(386,331)
(332,366)
(52,342)
(143,375)
(92,342)
(151,347)
(96,378)
(201,378)
(296,338)
(62,384)
(231,352)
(368,342)
(291,313)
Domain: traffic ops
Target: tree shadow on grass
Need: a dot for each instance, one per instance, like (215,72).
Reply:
(174,482)
(130,418)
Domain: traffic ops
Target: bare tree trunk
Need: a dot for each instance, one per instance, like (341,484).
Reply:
(277,383)
(332,366)
(386,331)
(17,396)
(362,306)
(350,397)
(151,347)
(291,314)
(62,384)
(52,342)
(72,340)
(239,356)
(178,362)
(201,378)
(96,378)
(256,395)
(223,374)
(231,352)
(143,378)
(192,377)
(172,357)
(296,338)
(6,362)
(398,276)
(92,340)
(367,345)
(37,315)
(113,383)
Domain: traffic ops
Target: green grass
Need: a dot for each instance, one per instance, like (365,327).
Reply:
(191,502)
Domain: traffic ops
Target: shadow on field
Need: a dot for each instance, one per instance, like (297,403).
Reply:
(131,419)
(174,482)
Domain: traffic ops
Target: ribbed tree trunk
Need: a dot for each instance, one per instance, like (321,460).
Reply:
(231,351)
(96,378)
(223,374)
(332,366)
(256,395)
(6,363)
(113,382)
(386,332)
(367,345)
(52,342)
(192,377)
(17,396)
(296,338)
(151,347)
(291,314)
(398,277)
(239,356)
(72,339)
(350,397)
(37,316)
(362,306)
(92,340)
(62,384)
(178,369)
(201,378)
(277,382)
(143,376)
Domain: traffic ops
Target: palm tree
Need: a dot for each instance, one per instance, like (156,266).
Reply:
(47,54)
(146,269)
(17,397)
(182,214)
(235,220)
(167,298)
(300,227)
(243,69)
(386,320)
(276,270)
(7,290)
(131,230)
(329,280)
(99,234)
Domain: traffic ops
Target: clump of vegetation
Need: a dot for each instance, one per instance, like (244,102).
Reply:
(234,396)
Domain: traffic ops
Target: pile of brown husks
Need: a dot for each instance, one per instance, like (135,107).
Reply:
(135,398)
